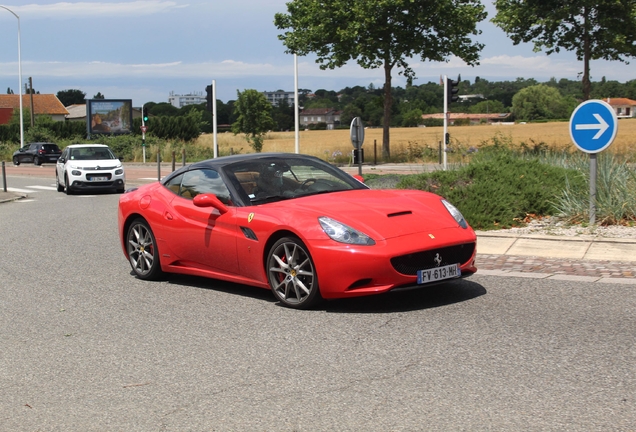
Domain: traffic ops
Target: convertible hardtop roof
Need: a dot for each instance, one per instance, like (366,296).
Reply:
(227,160)
(223,161)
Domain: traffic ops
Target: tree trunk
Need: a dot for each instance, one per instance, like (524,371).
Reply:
(587,85)
(388,103)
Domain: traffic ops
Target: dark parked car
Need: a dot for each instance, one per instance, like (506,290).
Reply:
(38,153)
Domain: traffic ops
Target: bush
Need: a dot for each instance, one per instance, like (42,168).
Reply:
(497,189)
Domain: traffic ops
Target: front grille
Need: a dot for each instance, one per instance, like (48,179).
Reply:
(90,177)
(411,263)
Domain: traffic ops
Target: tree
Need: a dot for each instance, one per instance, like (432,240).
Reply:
(487,107)
(253,117)
(382,34)
(599,29)
(99,95)
(71,97)
(541,102)
(9,91)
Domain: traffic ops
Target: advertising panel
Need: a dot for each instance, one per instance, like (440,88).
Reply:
(108,116)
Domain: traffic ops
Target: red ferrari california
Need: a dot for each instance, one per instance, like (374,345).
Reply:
(293,224)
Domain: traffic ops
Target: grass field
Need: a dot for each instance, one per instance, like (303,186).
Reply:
(325,144)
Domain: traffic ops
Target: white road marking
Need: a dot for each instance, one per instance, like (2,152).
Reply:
(49,188)
(21,190)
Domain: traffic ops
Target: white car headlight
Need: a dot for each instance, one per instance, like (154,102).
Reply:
(344,234)
(457,215)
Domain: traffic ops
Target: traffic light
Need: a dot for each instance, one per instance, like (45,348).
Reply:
(208,97)
(145,114)
(452,89)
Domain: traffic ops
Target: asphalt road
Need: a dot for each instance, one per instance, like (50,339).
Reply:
(85,346)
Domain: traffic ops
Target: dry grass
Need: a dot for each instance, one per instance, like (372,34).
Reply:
(323,144)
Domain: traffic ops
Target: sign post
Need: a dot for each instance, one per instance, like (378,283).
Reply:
(357,139)
(593,127)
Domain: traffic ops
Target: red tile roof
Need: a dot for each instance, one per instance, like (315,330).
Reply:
(42,103)
(620,101)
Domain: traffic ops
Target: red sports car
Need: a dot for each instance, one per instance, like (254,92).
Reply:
(293,224)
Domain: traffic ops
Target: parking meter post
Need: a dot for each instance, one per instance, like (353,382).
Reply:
(183,157)
(158,165)
(173,160)
(4,178)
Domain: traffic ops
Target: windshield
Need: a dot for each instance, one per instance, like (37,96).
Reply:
(274,179)
(91,153)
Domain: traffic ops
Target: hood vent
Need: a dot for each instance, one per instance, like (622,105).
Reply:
(402,213)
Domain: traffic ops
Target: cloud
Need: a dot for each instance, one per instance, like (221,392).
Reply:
(65,10)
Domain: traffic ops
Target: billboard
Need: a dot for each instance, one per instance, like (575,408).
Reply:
(108,116)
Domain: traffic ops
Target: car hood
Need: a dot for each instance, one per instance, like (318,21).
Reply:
(95,164)
(380,213)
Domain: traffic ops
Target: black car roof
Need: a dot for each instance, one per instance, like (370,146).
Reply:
(227,160)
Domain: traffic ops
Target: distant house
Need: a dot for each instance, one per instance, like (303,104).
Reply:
(624,108)
(473,118)
(5,115)
(320,115)
(43,105)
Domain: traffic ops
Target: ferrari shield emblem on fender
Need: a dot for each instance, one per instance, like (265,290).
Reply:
(250,217)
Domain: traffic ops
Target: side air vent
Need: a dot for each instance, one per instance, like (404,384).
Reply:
(248,233)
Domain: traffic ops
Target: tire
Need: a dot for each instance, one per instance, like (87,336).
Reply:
(60,188)
(143,254)
(291,274)
(16,161)
(67,187)
(36,161)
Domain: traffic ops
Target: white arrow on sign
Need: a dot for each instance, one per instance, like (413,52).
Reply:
(601,126)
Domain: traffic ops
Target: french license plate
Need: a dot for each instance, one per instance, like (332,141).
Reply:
(438,273)
(99,178)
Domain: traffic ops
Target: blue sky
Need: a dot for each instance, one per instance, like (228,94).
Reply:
(145,49)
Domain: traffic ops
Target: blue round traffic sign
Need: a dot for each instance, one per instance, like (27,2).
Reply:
(593,126)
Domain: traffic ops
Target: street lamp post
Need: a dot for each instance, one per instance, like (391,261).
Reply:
(19,76)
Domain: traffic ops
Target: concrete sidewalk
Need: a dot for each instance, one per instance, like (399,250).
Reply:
(571,248)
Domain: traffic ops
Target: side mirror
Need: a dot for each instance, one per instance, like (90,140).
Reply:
(210,200)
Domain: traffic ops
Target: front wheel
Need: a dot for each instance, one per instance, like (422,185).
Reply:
(67,187)
(143,255)
(60,188)
(16,161)
(292,275)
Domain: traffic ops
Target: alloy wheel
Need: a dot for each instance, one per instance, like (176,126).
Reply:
(291,274)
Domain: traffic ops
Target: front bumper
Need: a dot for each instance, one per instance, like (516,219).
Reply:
(97,180)
(389,265)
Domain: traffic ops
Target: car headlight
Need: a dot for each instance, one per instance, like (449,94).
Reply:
(119,172)
(76,173)
(344,234)
(457,215)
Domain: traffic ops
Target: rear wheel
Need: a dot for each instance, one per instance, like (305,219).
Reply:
(36,161)
(142,250)
(292,275)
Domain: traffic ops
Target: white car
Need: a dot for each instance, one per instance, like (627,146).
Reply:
(89,167)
